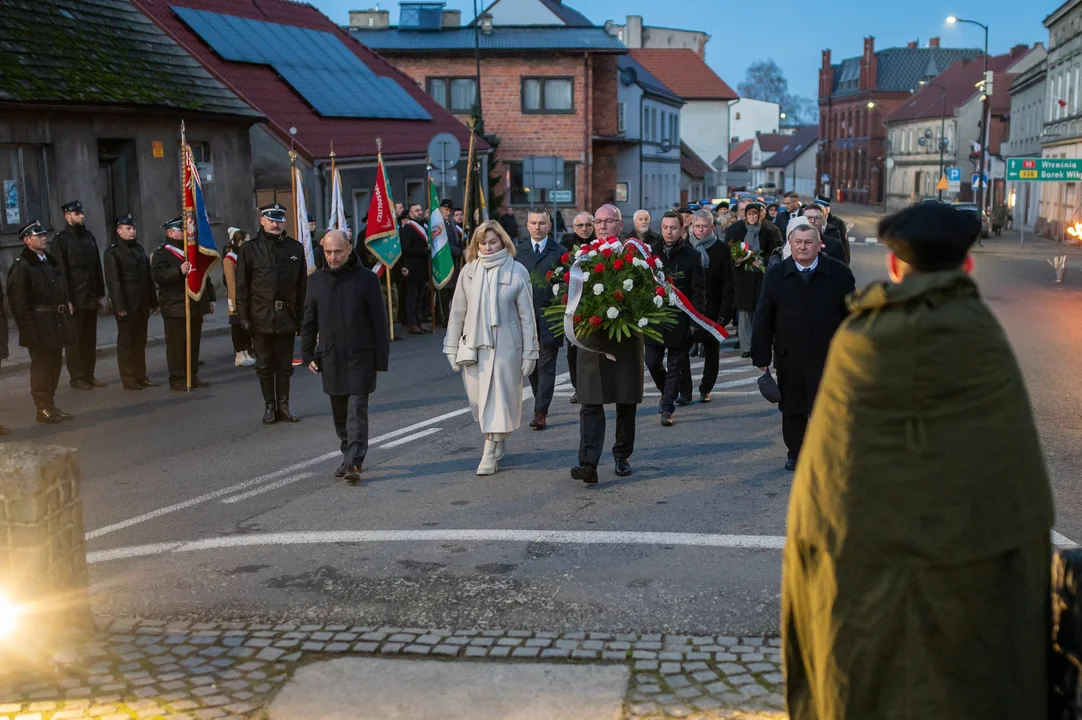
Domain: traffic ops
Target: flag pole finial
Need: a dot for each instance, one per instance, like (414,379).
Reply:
(379,144)
(332,149)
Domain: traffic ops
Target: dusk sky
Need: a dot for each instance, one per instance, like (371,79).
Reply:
(795,33)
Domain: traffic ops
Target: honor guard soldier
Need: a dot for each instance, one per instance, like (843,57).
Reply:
(272,278)
(168,268)
(38,296)
(134,299)
(77,251)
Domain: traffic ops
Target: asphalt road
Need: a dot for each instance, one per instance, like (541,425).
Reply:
(196,510)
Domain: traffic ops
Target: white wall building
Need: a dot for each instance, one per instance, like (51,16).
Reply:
(793,167)
(1060,202)
(748,117)
(1027,125)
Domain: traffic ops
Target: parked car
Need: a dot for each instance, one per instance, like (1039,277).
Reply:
(971,207)
(929,199)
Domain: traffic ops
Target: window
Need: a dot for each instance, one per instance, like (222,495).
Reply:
(458,95)
(621,117)
(519,196)
(655,135)
(548,95)
(738,116)
(27,190)
(674,132)
(202,159)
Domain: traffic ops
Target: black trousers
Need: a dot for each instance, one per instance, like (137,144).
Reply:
(668,367)
(710,353)
(131,347)
(174,348)
(273,363)
(82,351)
(242,339)
(45,364)
(572,360)
(543,378)
(415,299)
(792,431)
(592,432)
(351,423)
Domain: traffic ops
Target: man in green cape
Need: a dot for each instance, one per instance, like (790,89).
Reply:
(915,579)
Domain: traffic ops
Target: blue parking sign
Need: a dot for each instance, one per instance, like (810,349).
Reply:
(954,174)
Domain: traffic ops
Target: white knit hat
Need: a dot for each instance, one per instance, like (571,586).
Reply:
(794,223)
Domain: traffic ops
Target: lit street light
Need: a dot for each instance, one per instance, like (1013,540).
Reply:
(951,20)
(9,616)
(871,105)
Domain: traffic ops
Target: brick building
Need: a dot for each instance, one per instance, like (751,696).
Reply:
(545,90)
(854,98)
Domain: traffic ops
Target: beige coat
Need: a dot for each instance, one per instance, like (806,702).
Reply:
(494,383)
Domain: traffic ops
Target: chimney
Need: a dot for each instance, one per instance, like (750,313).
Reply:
(374,19)
(912,44)
(826,76)
(451,19)
(486,23)
(633,31)
(1019,51)
(933,42)
(868,65)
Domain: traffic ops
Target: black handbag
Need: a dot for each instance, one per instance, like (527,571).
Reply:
(769,389)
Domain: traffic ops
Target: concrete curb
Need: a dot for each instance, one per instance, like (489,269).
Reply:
(105,351)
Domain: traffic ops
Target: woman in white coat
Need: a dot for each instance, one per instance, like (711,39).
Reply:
(492,336)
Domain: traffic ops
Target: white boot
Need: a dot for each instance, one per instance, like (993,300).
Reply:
(488,464)
(501,445)
(249,361)
(240,360)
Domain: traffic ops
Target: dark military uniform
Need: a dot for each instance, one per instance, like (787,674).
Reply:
(39,305)
(165,270)
(76,249)
(131,290)
(272,279)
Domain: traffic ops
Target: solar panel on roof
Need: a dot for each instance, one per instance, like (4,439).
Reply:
(318,65)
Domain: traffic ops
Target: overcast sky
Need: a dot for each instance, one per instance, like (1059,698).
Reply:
(795,33)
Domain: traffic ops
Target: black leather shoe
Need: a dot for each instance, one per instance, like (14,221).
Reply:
(666,419)
(270,414)
(585,472)
(682,400)
(745,354)
(147,382)
(48,416)
(575,398)
(623,467)
(61,414)
(341,471)
(283,412)
(352,474)
(94,382)
(132,384)
(790,464)
(178,387)
(705,397)
(81,384)
(197,383)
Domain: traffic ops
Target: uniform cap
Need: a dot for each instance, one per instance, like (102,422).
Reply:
(447,203)
(274,211)
(930,236)
(73,206)
(822,200)
(310,218)
(686,209)
(176,223)
(31,228)
(125,220)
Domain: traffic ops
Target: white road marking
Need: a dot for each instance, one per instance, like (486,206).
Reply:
(871,240)
(737,383)
(265,488)
(561,537)
(409,438)
(1062,542)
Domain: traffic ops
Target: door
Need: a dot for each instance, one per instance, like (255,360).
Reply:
(118,181)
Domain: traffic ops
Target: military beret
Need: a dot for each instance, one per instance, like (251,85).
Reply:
(274,211)
(73,206)
(31,228)
(176,223)
(930,236)
(125,220)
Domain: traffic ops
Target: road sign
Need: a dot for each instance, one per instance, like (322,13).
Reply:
(825,177)
(975,181)
(444,151)
(954,179)
(1045,169)
(942,184)
(542,173)
(448,178)
(560,196)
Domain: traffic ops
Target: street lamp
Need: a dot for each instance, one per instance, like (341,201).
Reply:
(871,105)
(984,110)
(942,127)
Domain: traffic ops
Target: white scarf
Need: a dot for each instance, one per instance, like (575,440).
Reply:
(485,297)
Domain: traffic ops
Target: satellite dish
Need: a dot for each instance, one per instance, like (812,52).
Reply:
(921,141)
(927,133)
(628,76)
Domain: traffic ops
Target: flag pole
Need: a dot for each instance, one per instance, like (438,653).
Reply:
(184,224)
(335,220)
(386,268)
(431,273)
(469,169)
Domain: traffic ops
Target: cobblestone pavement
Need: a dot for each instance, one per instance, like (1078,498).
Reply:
(182,670)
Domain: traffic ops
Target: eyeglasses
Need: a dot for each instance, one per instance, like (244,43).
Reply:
(606,221)
(582,225)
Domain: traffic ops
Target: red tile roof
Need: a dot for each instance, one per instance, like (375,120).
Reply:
(692,164)
(260,86)
(685,73)
(738,150)
(772,142)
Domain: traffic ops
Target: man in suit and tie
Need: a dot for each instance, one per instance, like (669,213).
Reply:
(541,254)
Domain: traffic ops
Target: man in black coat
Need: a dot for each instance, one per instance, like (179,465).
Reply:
(719,277)
(641,229)
(762,237)
(832,245)
(38,295)
(131,289)
(541,255)
(833,225)
(417,260)
(168,269)
(272,278)
(802,305)
(77,251)
(344,337)
(682,265)
(790,209)
(508,222)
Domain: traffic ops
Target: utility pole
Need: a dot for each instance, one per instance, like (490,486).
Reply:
(985,109)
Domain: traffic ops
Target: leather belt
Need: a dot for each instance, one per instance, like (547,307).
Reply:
(51,308)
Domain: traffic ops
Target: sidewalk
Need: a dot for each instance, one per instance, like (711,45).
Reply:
(19,357)
(155,669)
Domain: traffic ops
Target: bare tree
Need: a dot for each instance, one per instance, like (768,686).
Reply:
(765,81)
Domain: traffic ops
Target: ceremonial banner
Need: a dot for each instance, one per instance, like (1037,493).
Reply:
(337,220)
(201,250)
(443,264)
(300,206)
(381,232)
